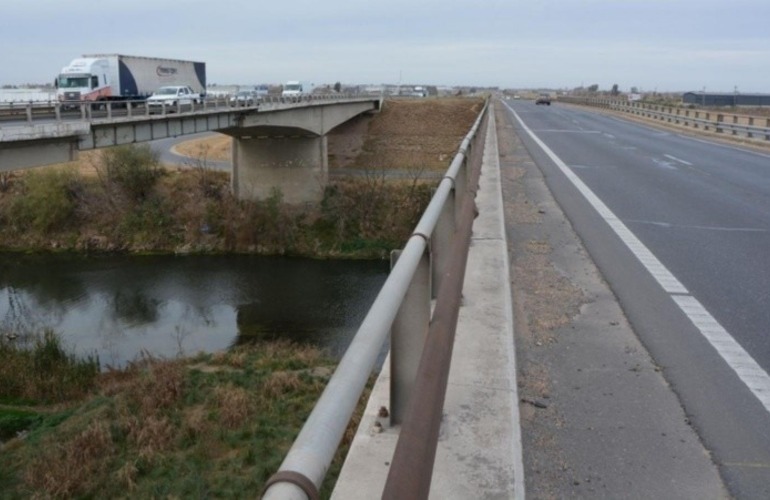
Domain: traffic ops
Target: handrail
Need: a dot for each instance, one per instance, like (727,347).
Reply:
(683,116)
(315,446)
(34,111)
(412,465)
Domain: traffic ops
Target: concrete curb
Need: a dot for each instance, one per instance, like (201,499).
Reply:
(479,452)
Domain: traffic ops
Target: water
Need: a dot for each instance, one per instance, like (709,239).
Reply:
(119,307)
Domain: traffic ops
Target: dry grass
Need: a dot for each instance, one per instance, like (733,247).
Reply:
(216,148)
(174,428)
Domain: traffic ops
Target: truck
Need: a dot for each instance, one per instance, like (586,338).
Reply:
(116,77)
(294,89)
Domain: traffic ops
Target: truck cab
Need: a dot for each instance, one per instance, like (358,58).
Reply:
(294,90)
(85,79)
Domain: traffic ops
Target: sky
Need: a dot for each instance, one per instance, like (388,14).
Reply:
(654,45)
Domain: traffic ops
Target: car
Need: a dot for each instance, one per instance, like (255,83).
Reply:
(543,99)
(172,97)
(244,98)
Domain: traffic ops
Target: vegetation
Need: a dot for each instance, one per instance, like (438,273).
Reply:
(217,425)
(134,205)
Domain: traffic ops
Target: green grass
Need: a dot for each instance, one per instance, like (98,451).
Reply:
(216,425)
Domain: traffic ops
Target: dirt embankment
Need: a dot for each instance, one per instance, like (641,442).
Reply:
(407,134)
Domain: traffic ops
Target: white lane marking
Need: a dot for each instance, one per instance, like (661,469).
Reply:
(705,228)
(568,131)
(664,164)
(755,378)
(671,157)
(736,357)
(725,146)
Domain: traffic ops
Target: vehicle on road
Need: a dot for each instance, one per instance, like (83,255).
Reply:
(244,98)
(116,77)
(172,98)
(543,99)
(295,90)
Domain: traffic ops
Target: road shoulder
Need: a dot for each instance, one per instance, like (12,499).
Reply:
(598,418)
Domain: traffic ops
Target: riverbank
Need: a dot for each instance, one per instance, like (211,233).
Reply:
(214,425)
(217,424)
(124,200)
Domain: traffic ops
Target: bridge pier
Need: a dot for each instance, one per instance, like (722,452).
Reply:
(296,165)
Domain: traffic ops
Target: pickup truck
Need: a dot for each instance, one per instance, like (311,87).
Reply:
(543,99)
(172,98)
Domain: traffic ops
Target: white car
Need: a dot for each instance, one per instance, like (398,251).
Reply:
(172,98)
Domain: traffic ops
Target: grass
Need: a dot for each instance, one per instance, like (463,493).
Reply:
(131,205)
(216,425)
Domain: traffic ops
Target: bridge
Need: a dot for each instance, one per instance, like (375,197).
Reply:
(276,143)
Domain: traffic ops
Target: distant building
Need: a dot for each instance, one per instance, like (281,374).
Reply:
(725,99)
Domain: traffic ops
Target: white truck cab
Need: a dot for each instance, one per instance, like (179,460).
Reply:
(294,90)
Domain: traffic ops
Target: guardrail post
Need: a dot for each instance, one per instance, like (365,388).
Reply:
(407,336)
(29,112)
(109,110)
(57,111)
(442,238)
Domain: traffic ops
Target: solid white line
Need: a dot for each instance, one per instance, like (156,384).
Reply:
(747,369)
(670,157)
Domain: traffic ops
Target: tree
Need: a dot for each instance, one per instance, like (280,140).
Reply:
(615,90)
(593,88)
(337,87)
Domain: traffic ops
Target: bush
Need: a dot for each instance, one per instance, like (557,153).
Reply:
(134,170)
(49,202)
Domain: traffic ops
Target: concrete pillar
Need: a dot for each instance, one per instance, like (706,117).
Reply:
(296,165)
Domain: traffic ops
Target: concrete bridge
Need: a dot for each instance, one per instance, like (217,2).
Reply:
(276,144)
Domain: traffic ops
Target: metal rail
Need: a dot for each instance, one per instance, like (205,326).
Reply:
(713,121)
(35,111)
(412,465)
(305,466)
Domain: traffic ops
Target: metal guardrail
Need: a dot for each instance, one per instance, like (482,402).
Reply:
(37,111)
(714,121)
(427,266)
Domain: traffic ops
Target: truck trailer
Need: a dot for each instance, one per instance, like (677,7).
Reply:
(116,77)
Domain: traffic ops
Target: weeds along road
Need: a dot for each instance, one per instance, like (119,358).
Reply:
(679,228)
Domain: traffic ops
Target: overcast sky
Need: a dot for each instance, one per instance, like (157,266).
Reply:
(651,44)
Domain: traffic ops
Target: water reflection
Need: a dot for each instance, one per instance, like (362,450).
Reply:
(119,307)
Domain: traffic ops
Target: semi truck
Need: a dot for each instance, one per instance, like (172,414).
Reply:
(116,77)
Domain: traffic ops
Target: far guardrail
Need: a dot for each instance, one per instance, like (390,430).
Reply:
(737,125)
(34,111)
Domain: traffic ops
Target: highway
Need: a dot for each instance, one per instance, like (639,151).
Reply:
(680,228)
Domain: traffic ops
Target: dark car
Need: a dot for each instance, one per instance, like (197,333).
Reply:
(543,99)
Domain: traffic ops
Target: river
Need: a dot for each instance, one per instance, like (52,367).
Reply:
(119,307)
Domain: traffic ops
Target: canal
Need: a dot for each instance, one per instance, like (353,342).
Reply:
(119,307)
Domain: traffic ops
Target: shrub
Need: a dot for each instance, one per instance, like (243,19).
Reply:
(134,170)
(49,202)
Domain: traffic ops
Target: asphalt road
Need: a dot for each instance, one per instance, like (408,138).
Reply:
(680,229)
(165,150)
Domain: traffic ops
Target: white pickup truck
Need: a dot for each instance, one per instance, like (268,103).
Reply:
(172,98)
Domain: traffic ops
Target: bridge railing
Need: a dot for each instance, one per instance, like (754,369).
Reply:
(734,124)
(38,111)
(431,264)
